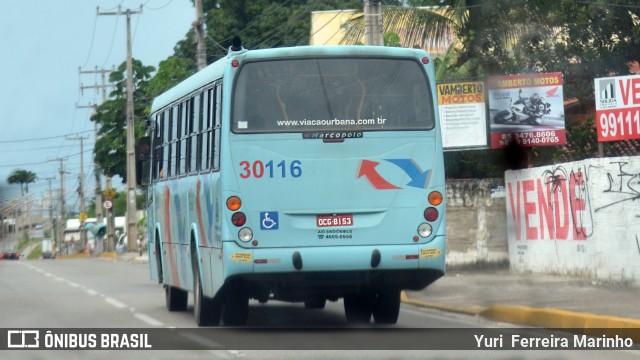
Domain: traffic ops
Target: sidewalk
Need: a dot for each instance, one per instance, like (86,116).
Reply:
(533,299)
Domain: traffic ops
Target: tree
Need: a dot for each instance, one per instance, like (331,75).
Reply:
(110,148)
(22,177)
(260,23)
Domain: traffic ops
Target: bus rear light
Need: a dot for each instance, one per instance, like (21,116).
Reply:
(234,203)
(435,198)
(424,230)
(411,257)
(235,63)
(416,239)
(431,214)
(425,60)
(239,219)
(254,243)
(245,234)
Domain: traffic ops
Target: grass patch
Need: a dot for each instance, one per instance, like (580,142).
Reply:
(35,254)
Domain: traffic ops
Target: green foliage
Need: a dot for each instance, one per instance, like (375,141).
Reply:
(110,148)
(22,177)
(391,39)
(259,23)
(170,72)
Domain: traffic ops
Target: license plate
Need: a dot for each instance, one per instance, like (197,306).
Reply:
(334,220)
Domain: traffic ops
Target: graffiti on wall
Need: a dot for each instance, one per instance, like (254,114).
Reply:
(623,183)
(554,206)
(581,218)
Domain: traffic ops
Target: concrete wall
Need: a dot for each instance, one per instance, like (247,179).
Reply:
(580,218)
(476,228)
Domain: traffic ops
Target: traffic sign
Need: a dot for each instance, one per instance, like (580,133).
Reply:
(107,204)
(82,216)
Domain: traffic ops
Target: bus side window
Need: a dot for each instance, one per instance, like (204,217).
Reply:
(166,144)
(204,114)
(205,134)
(192,131)
(217,126)
(175,155)
(157,146)
(187,109)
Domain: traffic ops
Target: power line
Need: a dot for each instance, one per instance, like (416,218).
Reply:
(283,29)
(113,39)
(158,8)
(93,36)
(43,162)
(608,4)
(44,138)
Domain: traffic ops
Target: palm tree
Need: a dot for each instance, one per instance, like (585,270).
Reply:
(459,30)
(22,177)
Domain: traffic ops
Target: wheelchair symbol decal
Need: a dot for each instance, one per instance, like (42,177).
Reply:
(269,220)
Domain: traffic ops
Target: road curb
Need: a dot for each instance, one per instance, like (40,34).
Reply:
(551,318)
(465,310)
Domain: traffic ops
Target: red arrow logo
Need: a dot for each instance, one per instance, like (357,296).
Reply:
(368,169)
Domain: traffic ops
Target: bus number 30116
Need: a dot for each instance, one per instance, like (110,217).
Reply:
(258,169)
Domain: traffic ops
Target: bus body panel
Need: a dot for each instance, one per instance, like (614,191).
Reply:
(375,179)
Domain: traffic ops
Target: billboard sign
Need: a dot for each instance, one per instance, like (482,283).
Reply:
(618,108)
(463,118)
(527,109)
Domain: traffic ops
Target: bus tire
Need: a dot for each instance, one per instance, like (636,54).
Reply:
(315,303)
(176,298)
(358,308)
(159,261)
(236,305)
(207,311)
(386,308)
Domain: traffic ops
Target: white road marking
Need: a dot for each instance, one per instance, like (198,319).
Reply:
(91,292)
(149,320)
(72,284)
(114,302)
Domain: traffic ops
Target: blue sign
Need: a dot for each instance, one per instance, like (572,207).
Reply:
(269,220)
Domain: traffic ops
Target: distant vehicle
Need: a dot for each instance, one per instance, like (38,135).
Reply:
(121,245)
(304,174)
(10,255)
(47,249)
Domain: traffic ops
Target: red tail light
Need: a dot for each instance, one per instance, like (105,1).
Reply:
(238,219)
(431,214)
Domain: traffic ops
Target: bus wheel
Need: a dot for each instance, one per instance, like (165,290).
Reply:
(176,298)
(386,308)
(358,309)
(315,303)
(159,262)
(236,305)
(207,311)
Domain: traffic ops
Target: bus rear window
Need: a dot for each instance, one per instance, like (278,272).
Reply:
(331,94)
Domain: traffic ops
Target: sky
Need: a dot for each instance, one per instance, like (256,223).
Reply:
(44,43)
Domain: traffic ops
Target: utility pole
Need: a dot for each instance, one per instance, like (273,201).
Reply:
(103,86)
(52,222)
(373,23)
(62,222)
(132,231)
(83,213)
(201,49)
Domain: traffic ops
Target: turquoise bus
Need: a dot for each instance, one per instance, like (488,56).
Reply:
(305,174)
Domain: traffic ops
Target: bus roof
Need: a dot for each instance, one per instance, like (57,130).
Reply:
(216,69)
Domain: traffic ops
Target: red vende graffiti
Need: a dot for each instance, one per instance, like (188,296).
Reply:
(548,208)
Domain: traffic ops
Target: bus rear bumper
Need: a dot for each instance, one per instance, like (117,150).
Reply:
(424,261)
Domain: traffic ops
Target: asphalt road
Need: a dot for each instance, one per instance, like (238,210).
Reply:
(98,293)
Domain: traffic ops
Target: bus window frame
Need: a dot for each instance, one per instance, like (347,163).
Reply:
(382,57)
(170,128)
